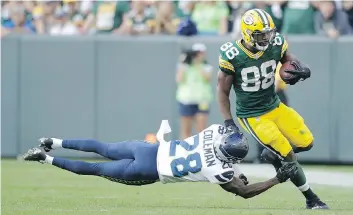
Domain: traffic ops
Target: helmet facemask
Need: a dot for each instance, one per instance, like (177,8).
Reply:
(262,39)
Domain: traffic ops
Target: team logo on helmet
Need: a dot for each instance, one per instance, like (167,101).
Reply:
(248,20)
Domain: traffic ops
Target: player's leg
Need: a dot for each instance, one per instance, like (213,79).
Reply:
(202,117)
(114,151)
(122,171)
(187,113)
(292,126)
(266,133)
(142,170)
(278,149)
(299,180)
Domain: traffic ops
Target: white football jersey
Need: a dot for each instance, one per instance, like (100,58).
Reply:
(194,159)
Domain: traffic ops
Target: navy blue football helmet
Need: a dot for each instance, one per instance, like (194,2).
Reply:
(232,147)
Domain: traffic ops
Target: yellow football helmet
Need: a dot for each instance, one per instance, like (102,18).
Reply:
(258,28)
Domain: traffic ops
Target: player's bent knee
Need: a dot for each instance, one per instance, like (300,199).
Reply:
(306,142)
(311,145)
(268,156)
(305,148)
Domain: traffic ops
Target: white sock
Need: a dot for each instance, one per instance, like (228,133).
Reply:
(304,187)
(57,143)
(48,159)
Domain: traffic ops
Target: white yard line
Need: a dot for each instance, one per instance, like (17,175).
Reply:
(335,178)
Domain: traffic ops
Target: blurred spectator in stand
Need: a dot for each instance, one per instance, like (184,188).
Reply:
(139,20)
(238,8)
(17,21)
(151,8)
(106,16)
(44,15)
(348,7)
(275,9)
(86,7)
(5,11)
(330,21)
(68,19)
(211,17)
(298,17)
(194,92)
(166,20)
(185,7)
(29,7)
(72,8)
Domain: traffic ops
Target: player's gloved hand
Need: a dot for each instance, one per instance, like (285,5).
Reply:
(300,73)
(288,170)
(231,126)
(244,179)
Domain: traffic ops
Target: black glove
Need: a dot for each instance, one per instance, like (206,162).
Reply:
(287,170)
(230,125)
(299,73)
(244,179)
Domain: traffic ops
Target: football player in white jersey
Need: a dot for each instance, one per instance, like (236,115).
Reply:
(212,156)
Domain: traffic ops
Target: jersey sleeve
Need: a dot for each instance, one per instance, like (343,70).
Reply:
(224,64)
(222,177)
(237,170)
(280,40)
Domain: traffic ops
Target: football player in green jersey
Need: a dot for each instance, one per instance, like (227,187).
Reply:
(249,65)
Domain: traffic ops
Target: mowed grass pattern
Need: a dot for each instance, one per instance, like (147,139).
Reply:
(36,189)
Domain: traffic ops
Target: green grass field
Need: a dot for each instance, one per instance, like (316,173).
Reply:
(35,189)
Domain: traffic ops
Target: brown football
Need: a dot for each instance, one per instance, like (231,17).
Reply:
(283,73)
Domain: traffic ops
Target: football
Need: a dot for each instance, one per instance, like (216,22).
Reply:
(283,73)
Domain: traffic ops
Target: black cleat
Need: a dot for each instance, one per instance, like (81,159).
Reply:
(316,204)
(46,143)
(34,154)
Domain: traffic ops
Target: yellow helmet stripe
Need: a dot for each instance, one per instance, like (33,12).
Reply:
(263,17)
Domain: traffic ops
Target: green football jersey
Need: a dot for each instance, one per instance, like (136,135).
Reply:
(254,75)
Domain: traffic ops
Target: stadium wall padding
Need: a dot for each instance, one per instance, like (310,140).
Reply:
(118,88)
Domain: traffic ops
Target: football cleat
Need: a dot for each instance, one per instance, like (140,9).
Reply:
(34,154)
(46,143)
(316,204)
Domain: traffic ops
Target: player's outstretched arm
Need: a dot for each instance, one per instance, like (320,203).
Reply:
(238,187)
(224,87)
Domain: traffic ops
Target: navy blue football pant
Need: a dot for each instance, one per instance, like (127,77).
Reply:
(133,162)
